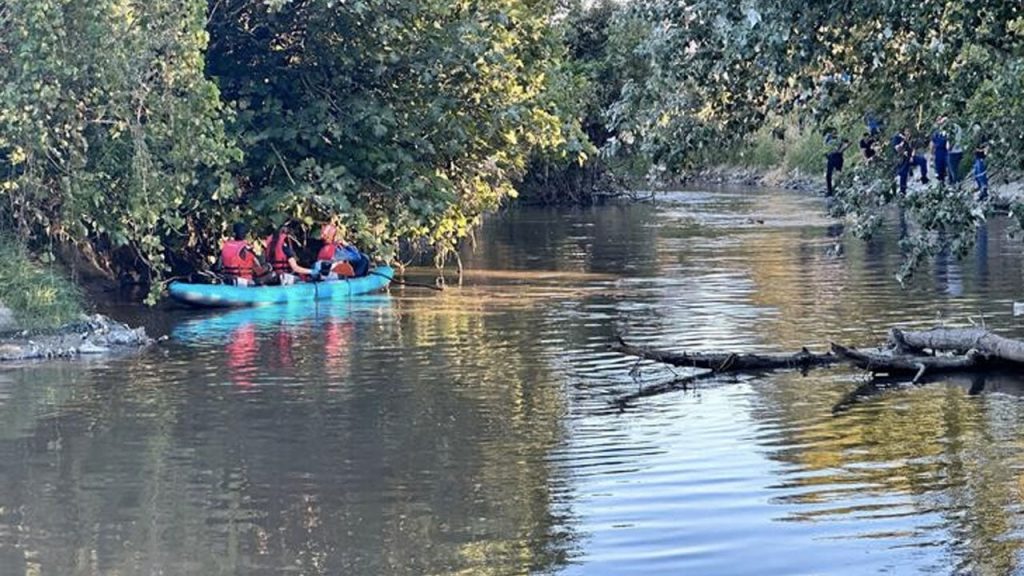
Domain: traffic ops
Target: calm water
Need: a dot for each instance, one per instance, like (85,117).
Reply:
(475,431)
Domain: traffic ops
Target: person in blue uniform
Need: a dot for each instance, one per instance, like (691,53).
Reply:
(873,124)
(981,169)
(940,149)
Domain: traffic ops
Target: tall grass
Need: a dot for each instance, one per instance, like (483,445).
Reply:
(790,148)
(39,296)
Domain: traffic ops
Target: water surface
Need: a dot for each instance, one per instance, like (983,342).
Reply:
(476,431)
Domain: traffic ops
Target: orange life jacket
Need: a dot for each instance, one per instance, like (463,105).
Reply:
(237,259)
(276,257)
(342,268)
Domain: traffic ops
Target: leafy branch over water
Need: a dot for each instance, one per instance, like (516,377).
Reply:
(933,218)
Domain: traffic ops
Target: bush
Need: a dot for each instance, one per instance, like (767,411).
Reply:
(39,296)
(797,149)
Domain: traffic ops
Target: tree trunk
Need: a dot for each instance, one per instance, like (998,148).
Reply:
(888,363)
(958,340)
(727,362)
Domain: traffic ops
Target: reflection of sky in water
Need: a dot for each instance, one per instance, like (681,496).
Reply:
(473,431)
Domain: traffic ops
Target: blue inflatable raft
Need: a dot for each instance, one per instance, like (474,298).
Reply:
(224,295)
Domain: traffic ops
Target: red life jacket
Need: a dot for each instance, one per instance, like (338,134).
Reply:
(237,259)
(276,257)
(327,252)
(343,269)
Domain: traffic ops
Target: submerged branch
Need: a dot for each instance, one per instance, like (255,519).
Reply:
(917,354)
(726,361)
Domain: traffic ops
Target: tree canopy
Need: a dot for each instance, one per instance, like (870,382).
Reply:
(138,130)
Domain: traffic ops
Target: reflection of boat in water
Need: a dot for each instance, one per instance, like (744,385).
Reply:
(222,326)
(222,295)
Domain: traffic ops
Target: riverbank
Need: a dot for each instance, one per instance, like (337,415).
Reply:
(1004,194)
(794,179)
(34,294)
(89,336)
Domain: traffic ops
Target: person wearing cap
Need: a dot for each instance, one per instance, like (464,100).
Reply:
(280,255)
(237,260)
(343,259)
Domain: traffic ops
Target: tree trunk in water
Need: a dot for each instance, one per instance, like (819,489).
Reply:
(958,340)
(883,362)
(725,361)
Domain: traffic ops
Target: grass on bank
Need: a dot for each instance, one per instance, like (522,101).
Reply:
(791,148)
(39,296)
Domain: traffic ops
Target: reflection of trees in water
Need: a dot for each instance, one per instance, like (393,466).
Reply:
(920,453)
(429,458)
(609,239)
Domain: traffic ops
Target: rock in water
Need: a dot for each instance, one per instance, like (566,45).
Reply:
(92,335)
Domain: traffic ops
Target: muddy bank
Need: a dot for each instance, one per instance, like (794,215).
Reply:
(92,335)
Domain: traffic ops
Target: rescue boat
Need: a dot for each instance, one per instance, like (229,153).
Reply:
(226,295)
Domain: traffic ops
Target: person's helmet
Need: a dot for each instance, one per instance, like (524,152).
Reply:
(239,230)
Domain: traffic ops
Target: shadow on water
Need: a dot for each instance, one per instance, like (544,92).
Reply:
(1007,382)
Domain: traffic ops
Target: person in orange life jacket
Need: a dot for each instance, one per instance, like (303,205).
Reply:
(281,256)
(237,260)
(347,261)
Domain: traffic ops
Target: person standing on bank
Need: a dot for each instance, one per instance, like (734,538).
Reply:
(833,158)
(867,146)
(903,150)
(981,169)
(956,151)
(940,149)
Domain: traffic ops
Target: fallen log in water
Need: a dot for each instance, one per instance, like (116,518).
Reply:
(958,340)
(886,362)
(939,350)
(727,361)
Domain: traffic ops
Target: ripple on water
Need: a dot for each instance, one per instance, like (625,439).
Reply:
(476,430)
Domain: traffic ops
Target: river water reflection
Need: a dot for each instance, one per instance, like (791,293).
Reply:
(474,431)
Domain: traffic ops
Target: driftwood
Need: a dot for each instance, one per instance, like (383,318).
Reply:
(727,362)
(958,340)
(887,363)
(916,353)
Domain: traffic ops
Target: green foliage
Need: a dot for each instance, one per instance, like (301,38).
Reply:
(123,123)
(601,59)
(775,145)
(721,70)
(934,218)
(805,151)
(406,119)
(113,135)
(35,292)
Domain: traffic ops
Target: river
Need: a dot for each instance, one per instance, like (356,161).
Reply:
(475,431)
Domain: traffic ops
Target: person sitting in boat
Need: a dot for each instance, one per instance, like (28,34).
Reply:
(345,260)
(280,256)
(238,263)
